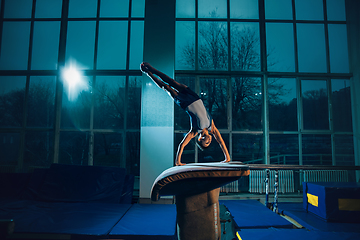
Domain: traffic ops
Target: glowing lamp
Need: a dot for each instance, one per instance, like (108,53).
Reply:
(72,76)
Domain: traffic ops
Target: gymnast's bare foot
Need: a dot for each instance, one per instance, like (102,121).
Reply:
(146,67)
(180,164)
(225,161)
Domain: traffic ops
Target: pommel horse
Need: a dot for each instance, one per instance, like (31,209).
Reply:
(196,188)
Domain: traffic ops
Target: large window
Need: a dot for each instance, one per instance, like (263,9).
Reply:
(44,119)
(273,74)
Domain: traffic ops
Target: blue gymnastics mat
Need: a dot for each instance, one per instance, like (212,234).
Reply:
(90,219)
(147,221)
(293,234)
(312,222)
(253,214)
(333,201)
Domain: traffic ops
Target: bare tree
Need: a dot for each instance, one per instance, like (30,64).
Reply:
(11,108)
(214,49)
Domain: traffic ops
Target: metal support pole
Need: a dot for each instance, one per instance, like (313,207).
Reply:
(276,186)
(267,187)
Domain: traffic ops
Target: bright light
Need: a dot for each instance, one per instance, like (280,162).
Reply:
(74,81)
(72,76)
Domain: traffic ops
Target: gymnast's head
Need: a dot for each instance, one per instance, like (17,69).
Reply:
(204,139)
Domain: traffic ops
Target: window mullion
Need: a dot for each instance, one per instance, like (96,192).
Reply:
(229,113)
(59,85)
(300,118)
(263,55)
(265,116)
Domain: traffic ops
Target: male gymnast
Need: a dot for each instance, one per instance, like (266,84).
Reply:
(200,119)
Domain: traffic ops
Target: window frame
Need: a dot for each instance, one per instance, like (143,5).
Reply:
(264,74)
(127,72)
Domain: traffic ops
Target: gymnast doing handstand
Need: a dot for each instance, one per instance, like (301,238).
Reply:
(201,121)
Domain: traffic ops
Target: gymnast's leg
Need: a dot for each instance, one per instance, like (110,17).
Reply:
(147,68)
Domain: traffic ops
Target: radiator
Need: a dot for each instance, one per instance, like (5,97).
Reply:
(286,180)
(325,176)
(257,181)
(232,187)
(8,168)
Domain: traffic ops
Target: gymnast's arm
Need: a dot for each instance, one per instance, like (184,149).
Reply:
(190,135)
(221,142)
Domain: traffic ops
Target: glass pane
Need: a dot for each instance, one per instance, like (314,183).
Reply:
(278,9)
(213,92)
(311,47)
(137,8)
(9,147)
(136,44)
(246,103)
(80,44)
(12,95)
(284,149)
(244,9)
(12,9)
(280,50)
(134,103)
(82,8)
(245,46)
(338,48)
(248,148)
(41,102)
(74,148)
(76,104)
(15,46)
(185,8)
(45,46)
(282,104)
(38,149)
(185,46)
(315,105)
(109,102)
(114,8)
(133,153)
(316,149)
(335,10)
(108,149)
(344,150)
(213,45)
(112,46)
(213,153)
(48,9)
(341,105)
(182,120)
(212,8)
(309,10)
